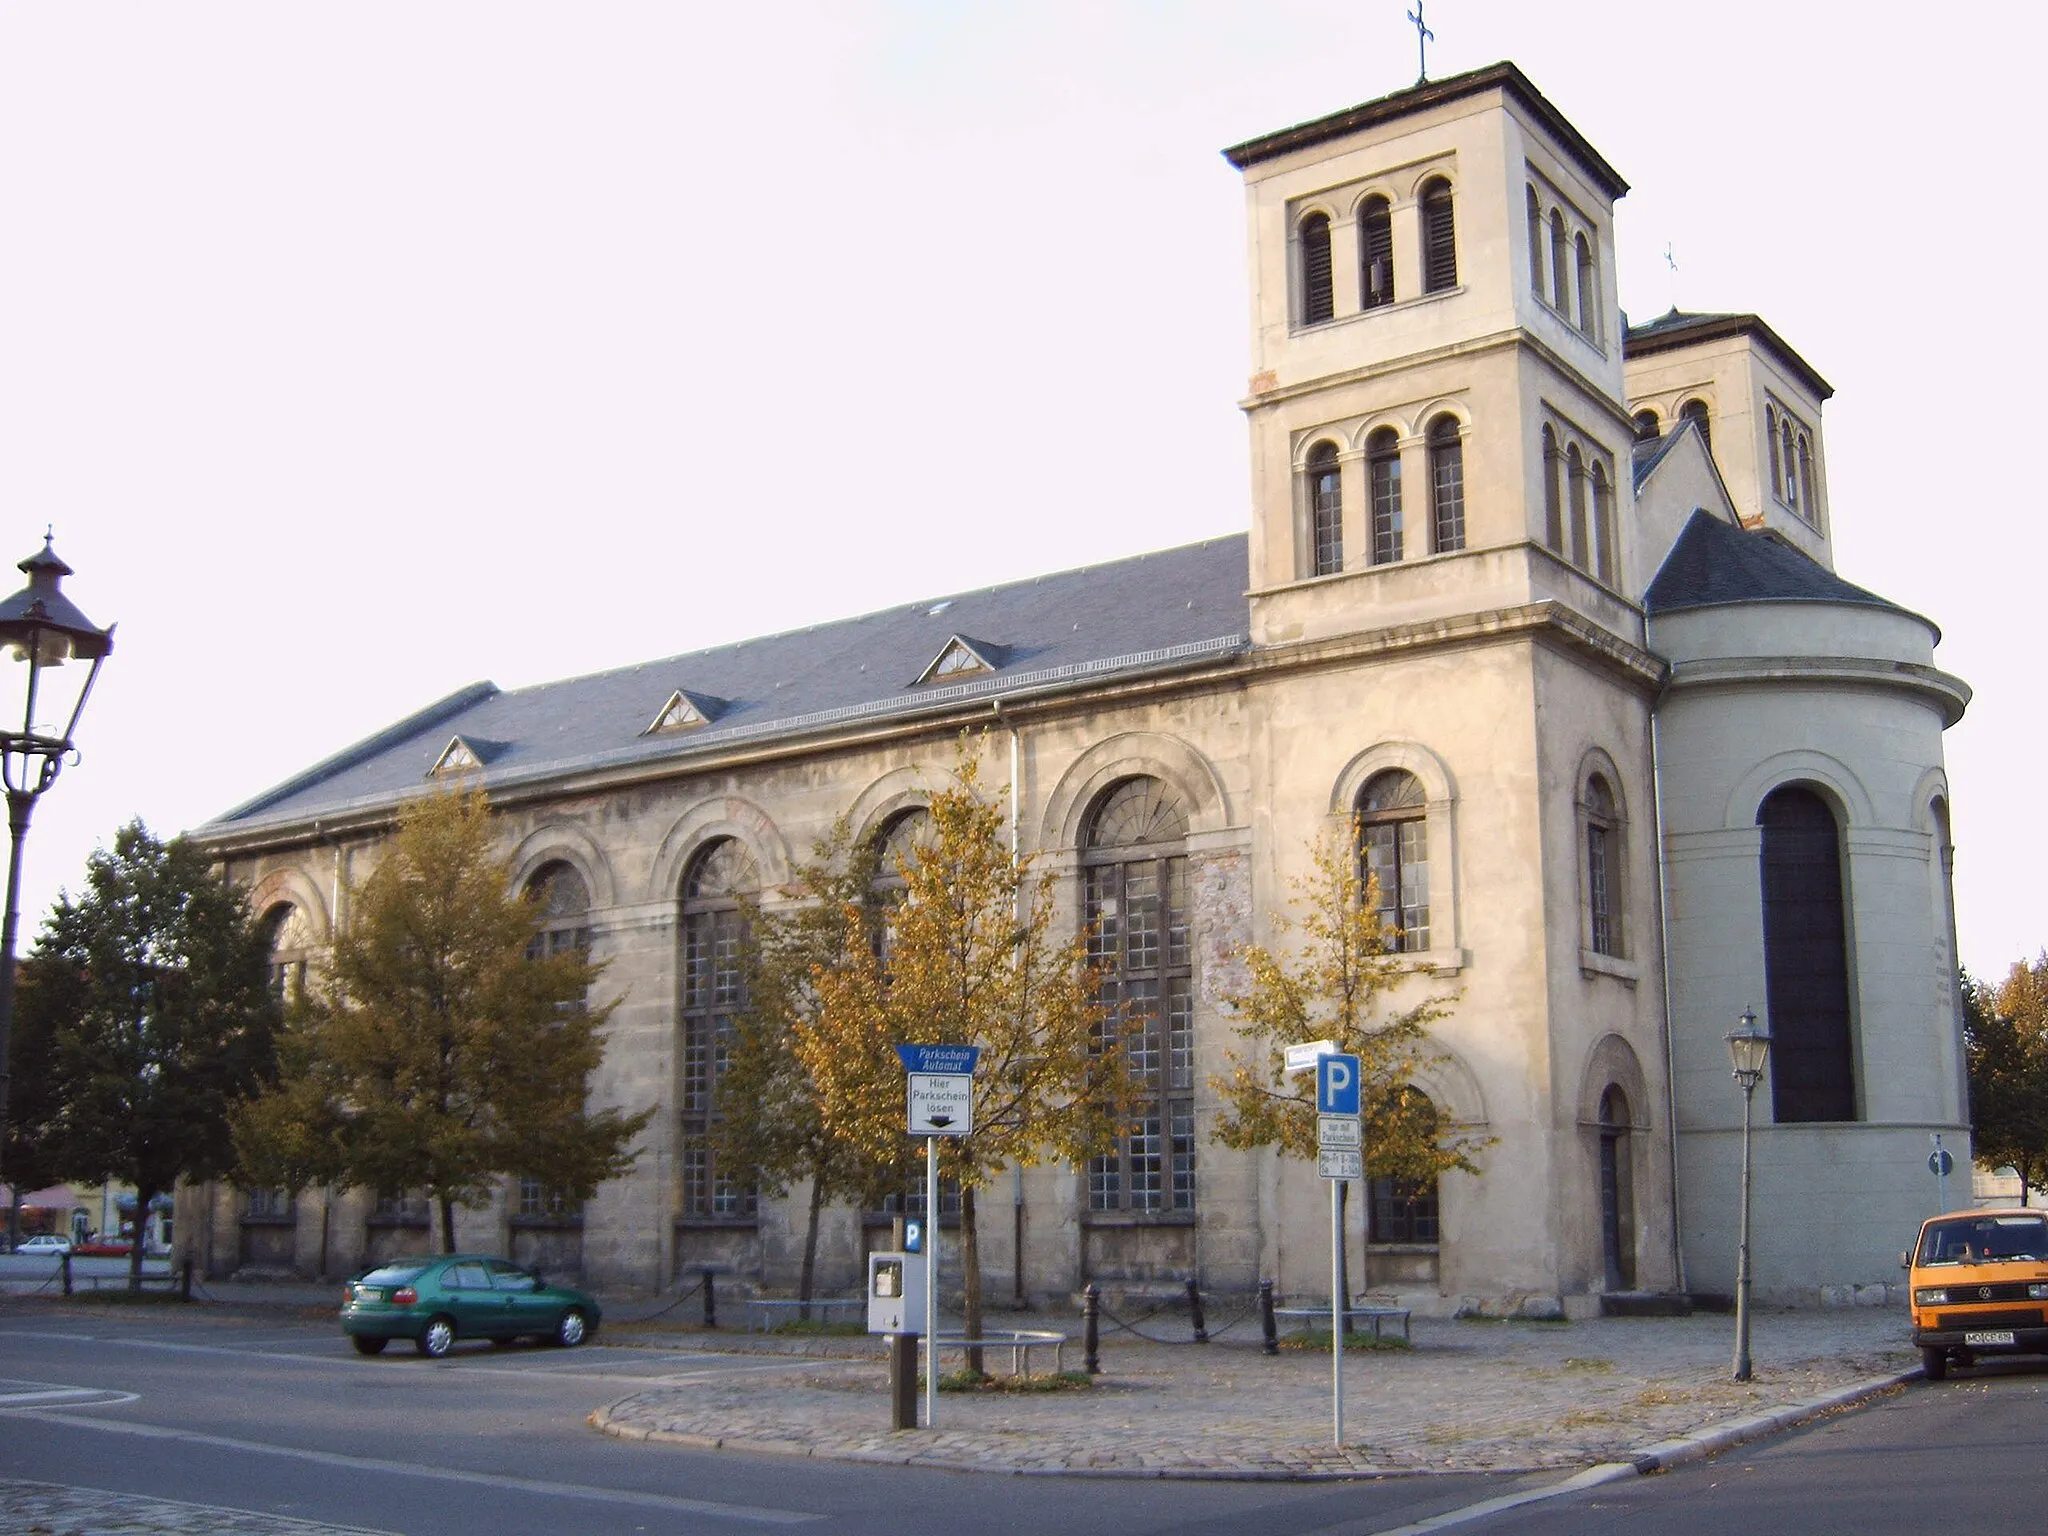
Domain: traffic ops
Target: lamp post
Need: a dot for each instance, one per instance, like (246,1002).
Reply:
(1749,1048)
(39,625)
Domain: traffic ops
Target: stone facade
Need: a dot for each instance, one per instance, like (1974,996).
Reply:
(1458,581)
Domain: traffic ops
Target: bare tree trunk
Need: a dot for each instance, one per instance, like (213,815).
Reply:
(138,1230)
(970,1272)
(326,1205)
(807,1277)
(447,1205)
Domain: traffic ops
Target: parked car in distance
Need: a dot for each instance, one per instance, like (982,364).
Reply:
(47,1242)
(436,1299)
(103,1248)
(1979,1281)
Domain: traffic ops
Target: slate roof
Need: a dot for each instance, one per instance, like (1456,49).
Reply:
(1714,563)
(1677,328)
(1151,613)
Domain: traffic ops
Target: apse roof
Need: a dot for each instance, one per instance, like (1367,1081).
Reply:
(1715,563)
(1147,614)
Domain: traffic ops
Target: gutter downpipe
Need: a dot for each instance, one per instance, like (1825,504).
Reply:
(1017,1170)
(1664,967)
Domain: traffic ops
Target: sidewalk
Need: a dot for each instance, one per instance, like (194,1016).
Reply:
(1471,1396)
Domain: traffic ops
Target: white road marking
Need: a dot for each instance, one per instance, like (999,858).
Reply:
(752,1514)
(79,1397)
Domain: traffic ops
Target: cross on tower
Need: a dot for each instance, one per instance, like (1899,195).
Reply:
(1671,261)
(1423,38)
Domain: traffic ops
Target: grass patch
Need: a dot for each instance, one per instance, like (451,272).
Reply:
(1318,1340)
(1048,1381)
(149,1296)
(1587,1367)
(818,1327)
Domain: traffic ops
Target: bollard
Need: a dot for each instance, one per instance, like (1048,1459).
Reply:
(1091,1329)
(1195,1307)
(1267,1322)
(185,1279)
(710,1302)
(65,1260)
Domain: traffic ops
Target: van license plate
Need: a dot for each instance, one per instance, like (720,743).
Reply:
(1988,1336)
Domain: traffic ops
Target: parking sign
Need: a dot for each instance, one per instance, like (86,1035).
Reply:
(1336,1085)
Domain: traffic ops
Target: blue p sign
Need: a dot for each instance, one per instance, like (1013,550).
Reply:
(1336,1085)
(913,1236)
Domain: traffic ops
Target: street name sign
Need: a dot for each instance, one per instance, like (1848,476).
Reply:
(1339,1131)
(1302,1058)
(1340,1162)
(941,1103)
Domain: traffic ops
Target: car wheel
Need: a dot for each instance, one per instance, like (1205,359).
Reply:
(367,1346)
(437,1338)
(1934,1364)
(573,1329)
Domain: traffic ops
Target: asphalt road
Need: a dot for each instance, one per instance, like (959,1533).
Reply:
(283,1418)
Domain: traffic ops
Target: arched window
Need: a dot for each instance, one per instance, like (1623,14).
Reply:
(1647,428)
(1695,411)
(1806,496)
(895,852)
(1617,1191)
(1603,525)
(1393,834)
(1603,867)
(1575,486)
(1446,485)
(1326,509)
(1589,287)
(714,992)
(290,941)
(1404,1210)
(1318,301)
(1771,451)
(1553,493)
(1535,243)
(1806,958)
(1791,466)
(1134,871)
(561,911)
(1376,252)
(1383,473)
(1439,238)
(1560,265)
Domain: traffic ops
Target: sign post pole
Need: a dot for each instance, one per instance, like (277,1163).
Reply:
(1340,1155)
(1337,1317)
(931,1282)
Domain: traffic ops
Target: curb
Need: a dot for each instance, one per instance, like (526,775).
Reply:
(1662,1456)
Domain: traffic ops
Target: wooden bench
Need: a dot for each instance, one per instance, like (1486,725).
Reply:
(1375,1312)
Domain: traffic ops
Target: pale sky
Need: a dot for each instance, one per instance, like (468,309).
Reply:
(359,352)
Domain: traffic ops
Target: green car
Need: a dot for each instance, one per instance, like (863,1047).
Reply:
(436,1300)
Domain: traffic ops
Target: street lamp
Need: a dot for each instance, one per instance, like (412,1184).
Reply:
(41,626)
(1750,1049)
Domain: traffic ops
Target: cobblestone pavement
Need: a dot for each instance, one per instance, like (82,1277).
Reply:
(45,1509)
(1471,1396)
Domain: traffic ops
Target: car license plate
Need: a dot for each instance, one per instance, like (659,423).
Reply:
(1988,1336)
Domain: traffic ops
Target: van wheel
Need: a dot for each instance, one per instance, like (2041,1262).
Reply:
(1934,1364)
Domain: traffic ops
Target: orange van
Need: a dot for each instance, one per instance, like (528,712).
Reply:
(1979,1282)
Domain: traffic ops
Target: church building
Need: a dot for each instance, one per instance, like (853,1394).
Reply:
(1546,601)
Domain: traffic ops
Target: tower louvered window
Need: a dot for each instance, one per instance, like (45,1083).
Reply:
(1560,266)
(1553,493)
(1318,301)
(1439,238)
(1446,486)
(1326,508)
(1589,287)
(1575,487)
(1603,526)
(1695,411)
(1135,903)
(1535,243)
(1383,463)
(1376,252)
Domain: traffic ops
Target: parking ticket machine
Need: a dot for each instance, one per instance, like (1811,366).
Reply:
(895,1293)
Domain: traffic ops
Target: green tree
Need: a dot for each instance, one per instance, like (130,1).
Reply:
(1335,984)
(442,1056)
(770,1118)
(2005,1041)
(972,959)
(153,991)
(25,1157)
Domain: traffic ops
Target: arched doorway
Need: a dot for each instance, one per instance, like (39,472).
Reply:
(1617,1192)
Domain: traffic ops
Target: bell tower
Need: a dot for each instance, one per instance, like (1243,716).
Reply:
(1438,420)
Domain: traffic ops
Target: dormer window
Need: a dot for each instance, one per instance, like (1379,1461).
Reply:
(685,711)
(457,757)
(961,658)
